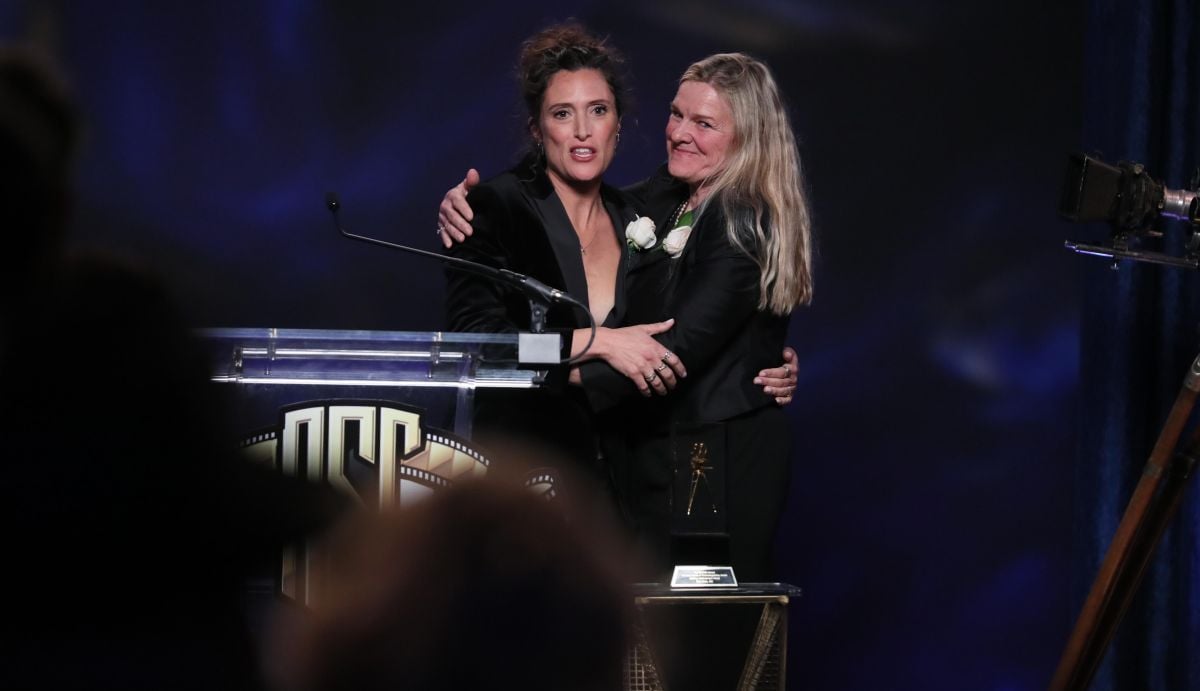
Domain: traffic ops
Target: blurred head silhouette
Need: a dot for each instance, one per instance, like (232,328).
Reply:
(132,523)
(39,134)
(478,587)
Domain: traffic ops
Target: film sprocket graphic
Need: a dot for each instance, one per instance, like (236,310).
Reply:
(1130,200)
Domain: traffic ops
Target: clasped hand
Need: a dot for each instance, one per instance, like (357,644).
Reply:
(632,351)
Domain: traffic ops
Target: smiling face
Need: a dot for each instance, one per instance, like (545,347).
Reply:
(699,133)
(578,127)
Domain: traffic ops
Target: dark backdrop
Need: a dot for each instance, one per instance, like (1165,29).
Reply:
(929,524)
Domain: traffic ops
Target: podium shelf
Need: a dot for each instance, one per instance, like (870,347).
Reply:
(317,357)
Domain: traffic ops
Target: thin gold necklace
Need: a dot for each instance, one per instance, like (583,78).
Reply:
(584,248)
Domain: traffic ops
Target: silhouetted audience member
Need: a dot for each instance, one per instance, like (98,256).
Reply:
(129,562)
(129,523)
(477,588)
(39,135)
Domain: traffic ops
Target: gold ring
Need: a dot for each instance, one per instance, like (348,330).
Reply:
(650,377)
(661,367)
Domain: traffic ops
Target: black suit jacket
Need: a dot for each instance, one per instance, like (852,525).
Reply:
(712,292)
(520,224)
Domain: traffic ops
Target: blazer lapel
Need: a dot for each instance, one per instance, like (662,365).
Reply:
(621,216)
(561,234)
(663,203)
(643,259)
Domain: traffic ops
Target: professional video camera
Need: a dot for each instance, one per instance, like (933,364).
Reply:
(1129,200)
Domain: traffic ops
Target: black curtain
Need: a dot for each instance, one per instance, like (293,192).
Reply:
(1140,332)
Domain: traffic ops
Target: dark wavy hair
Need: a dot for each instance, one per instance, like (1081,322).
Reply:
(568,47)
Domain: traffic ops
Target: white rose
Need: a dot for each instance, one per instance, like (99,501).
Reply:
(676,240)
(640,233)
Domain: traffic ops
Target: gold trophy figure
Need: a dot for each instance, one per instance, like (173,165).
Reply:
(700,467)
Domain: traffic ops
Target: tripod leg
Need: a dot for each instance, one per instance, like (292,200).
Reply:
(1158,519)
(1108,598)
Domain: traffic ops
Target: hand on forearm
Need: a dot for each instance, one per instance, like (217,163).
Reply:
(633,352)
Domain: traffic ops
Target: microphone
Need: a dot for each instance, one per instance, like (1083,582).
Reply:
(540,295)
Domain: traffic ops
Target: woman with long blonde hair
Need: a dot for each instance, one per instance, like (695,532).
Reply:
(733,214)
(761,174)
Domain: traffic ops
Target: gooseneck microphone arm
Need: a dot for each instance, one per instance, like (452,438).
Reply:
(540,295)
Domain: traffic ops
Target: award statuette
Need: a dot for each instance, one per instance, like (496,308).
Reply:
(700,467)
(699,524)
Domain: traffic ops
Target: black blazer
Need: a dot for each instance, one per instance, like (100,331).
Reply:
(520,224)
(712,292)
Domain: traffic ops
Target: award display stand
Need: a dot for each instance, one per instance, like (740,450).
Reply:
(728,638)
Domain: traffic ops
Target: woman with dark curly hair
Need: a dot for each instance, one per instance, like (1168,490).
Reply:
(552,217)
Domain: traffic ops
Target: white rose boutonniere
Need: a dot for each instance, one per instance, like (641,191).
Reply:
(639,234)
(675,241)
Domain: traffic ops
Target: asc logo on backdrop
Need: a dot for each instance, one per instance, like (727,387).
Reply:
(376,452)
